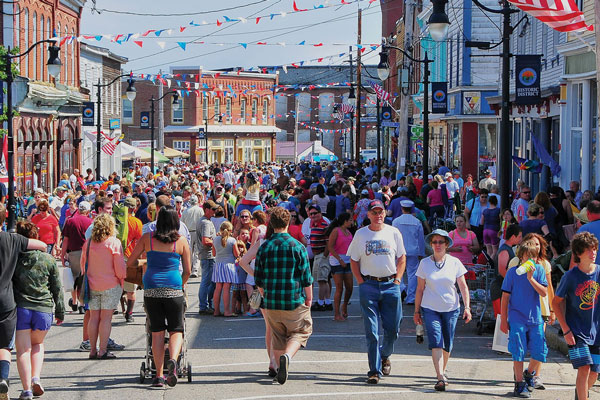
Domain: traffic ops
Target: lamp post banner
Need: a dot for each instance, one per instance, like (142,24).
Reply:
(87,114)
(527,80)
(145,120)
(439,97)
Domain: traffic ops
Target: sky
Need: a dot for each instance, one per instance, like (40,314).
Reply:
(334,26)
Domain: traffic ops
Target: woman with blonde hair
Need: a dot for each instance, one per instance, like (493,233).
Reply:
(224,272)
(103,263)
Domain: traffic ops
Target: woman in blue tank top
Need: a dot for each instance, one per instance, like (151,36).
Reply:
(164,286)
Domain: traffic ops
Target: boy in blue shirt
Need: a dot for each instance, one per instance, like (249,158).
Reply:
(576,306)
(521,318)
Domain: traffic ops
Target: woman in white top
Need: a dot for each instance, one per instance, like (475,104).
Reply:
(437,300)
(320,198)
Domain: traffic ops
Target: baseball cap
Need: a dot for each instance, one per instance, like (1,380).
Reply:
(314,207)
(130,202)
(161,185)
(178,199)
(376,204)
(447,175)
(364,191)
(110,193)
(84,206)
(96,186)
(227,186)
(193,199)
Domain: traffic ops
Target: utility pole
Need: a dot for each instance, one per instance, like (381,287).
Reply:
(296,131)
(378,139)
(597,12)
(403,131)
(358,87)
(353,111)
(161,118)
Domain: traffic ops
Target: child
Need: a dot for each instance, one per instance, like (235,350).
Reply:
(508,218)
(224,272)
(578,294)
(240,298)
(521,307)
(490,219)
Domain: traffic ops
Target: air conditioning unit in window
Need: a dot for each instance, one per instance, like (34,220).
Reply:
(253,120)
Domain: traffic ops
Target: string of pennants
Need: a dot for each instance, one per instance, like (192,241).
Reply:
(138,37)
(322,130)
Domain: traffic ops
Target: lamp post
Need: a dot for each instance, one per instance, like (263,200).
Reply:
(220,119)
(438,24)
(174,106)
(130,92)
(54,66)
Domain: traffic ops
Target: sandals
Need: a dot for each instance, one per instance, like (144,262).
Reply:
(107,356)
(93,356)
(440,386)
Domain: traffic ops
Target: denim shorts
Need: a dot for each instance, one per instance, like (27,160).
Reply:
(34,320)
(440,328)
(527,337)
(581,355)
(338,269)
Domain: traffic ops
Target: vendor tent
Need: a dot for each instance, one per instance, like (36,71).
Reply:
(159,158)
(172,153)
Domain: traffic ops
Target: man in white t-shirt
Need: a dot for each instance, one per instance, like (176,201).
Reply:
(378,260)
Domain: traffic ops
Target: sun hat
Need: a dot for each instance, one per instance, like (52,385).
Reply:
(582,216)
(130,202)
(439,232)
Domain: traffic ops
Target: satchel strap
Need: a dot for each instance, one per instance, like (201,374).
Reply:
(87,255)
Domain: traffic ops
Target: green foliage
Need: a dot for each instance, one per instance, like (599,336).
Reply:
(15,72)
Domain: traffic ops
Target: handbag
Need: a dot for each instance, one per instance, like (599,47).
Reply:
(67,279)
(255,299)
(135,275)
(84,294)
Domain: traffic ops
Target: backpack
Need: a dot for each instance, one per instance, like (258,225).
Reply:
(120,212)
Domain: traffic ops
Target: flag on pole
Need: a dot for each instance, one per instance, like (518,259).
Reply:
(381,93)
(560,15)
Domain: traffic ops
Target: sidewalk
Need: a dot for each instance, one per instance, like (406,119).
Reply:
(556,341)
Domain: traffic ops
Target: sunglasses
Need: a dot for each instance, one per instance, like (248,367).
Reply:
(245,216)
(526,192)
(313,213)
(438,242)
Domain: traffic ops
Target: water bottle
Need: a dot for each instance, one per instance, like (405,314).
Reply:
(526,267)
(67,264)
(420,333)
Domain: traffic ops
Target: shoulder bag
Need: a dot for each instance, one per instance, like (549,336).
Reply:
(84,294)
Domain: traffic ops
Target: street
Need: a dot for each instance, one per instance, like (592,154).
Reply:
(229,362)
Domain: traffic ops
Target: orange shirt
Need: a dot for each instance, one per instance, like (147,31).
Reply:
(134,233)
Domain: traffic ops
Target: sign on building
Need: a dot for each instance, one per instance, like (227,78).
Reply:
(87,114)
(145,120)
(439,97)
(114,123)
(527,80)
(471,102)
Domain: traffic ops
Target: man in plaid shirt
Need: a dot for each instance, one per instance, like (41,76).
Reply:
(282,274)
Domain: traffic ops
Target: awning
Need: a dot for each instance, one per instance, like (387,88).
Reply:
(172,153)
(157,156)
(128,152)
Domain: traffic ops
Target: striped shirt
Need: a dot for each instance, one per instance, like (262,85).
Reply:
(318,240)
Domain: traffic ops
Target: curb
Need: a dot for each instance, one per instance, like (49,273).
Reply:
(556,341)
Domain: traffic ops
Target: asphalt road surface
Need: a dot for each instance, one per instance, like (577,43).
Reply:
(229,361)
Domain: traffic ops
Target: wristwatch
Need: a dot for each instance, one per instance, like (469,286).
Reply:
(398,280)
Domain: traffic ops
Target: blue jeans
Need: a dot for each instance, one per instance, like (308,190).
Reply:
(440,328)
(207,286)
(412,264)
(380,300)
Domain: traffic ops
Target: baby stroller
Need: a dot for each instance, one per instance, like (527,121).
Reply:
(148,369)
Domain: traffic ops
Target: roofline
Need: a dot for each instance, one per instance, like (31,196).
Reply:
(103,51)
(224,71)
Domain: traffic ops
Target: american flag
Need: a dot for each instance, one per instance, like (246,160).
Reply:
(560,15)
(346,108)
(381,93)
(109,147)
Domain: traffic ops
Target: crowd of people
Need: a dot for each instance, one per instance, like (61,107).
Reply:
(260,236)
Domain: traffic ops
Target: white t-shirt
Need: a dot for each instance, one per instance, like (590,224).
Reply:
(440,292)
(377,251)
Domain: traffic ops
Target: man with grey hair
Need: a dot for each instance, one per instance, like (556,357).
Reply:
(190,218)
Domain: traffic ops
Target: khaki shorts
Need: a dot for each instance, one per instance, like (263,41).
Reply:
(286,326)
(106,299)
(74,258)
(129,287)
(321,268)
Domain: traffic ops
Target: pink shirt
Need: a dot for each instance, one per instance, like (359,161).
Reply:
(435,197)
(107,267)
(464,255)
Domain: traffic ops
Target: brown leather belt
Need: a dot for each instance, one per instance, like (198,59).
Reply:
(378,279)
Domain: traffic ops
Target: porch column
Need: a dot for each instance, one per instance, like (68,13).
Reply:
(586,139)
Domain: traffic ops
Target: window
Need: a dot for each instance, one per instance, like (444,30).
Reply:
(577,105)
(127,111)
(281,103)
(228,142)
(217,108)
(182,145)
(215,143)
(17,27)
(34,53)
(303,100)
(243,111)
(49,36)
(177,115)
(265,113)
(254,110)
(326,101)
(205,107)
(228,110)
(73,67)
(258,143)
(66,62)
(24,60)
(43,47)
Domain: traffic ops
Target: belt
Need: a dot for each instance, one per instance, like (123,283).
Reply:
(378,279)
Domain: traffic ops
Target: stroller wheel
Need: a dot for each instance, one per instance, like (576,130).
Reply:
(143,372)
(189,372)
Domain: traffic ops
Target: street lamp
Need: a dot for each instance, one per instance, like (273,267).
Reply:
(438,21)
(130,92)
(54,66)
(220,120)
(174,106)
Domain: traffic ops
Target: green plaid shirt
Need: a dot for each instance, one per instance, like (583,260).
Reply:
(282,269)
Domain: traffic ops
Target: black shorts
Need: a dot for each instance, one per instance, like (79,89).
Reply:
(170,309)
(8,324)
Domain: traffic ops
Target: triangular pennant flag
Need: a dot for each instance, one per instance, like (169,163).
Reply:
(219,23)
(139,43)
(169,83)
(244,45)
(182,28)
(318,45)
(182,44)
(319,6)
(161,44)
(297,9)
(302,43)
(244,20)
(272,15)
(284,68)
(157,33)
(257,19)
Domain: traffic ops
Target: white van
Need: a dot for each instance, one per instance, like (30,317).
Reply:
(368,154)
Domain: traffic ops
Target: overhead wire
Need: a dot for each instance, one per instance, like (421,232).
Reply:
(101,10)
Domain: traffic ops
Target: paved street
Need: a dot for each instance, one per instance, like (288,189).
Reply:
(229,362)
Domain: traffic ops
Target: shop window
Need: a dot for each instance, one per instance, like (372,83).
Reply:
(177,115)
(182,145)
(127,111)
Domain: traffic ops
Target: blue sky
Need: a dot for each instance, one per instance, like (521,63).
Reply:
(222,47)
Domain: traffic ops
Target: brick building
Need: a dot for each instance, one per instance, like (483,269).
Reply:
(47,132)
(236,110)
(317,89)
